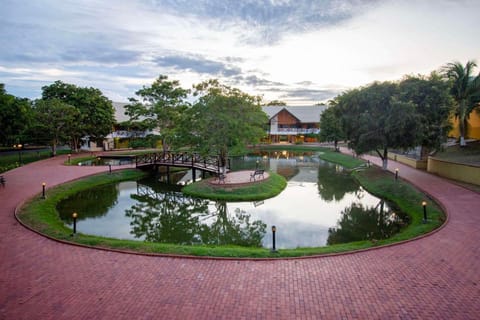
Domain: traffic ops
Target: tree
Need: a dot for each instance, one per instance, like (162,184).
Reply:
(465,90)
(224,119)
(161,106)
(276,103)
(331,126)
(53,121)
(14,117)
(96,114)
(433,104)
(374,119)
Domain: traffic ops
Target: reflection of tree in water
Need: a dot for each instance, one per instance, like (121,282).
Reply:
(236,229)
(91,203)
(170,216)
(333,183)
(361,223)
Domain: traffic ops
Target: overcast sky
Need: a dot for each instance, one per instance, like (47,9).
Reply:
(299,51)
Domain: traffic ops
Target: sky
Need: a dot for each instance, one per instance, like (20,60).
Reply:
(300,51)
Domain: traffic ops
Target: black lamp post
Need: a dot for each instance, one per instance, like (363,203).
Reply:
(43,190)
(74,216)
(110,168)
(396,174)
(424,204)
(19,148)
(274,229)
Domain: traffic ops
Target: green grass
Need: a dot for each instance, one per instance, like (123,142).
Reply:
(41,215)
(466,155)
(11,161)
(344,160)
(260,190)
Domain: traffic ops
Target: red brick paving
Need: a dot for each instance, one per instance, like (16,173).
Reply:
(436,277)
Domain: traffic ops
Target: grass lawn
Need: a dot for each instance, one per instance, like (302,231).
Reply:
(260,190)
(467,155)
(41,215)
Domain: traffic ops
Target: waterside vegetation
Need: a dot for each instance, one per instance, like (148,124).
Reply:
(41,215)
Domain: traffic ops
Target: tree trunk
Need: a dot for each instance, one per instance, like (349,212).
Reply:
(462,122)
(384,157)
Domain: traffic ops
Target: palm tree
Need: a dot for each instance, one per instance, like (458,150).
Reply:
(465,90)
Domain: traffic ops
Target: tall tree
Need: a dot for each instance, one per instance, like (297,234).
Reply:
(96,113)
(375,120)
(331,126)
(433,104)
(224,119)
(465,89)
(14,117)
(53,121)
(161,106)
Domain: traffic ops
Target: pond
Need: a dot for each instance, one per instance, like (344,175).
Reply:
(321,205)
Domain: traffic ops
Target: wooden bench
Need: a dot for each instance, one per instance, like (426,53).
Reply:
(258,172)
(2,180)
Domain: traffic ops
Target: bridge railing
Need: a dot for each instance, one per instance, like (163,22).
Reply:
(193,160)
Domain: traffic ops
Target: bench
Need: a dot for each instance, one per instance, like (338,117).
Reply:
(2,180)
(258,172)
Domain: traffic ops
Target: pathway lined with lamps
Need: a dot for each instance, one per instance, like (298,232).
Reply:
(433,277)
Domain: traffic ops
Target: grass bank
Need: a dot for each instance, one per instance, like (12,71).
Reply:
(41,215)
(260,190)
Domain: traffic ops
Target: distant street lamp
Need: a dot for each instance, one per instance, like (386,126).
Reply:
(256,165)
(43,190)
(274,229)
(19,148)
(74,216)
(396,174)
(424,204)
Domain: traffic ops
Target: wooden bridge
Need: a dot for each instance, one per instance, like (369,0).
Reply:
(181,159)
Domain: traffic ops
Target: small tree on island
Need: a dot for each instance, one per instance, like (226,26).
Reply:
(224,120)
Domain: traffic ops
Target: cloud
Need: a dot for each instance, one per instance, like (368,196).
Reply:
(308,94)
(270,19)
(253,80)
(198,64)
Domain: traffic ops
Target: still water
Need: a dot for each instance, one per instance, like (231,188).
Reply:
(321,205)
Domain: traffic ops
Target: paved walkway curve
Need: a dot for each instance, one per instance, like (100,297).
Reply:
(436,277)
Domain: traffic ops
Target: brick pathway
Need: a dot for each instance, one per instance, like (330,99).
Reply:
(436,277)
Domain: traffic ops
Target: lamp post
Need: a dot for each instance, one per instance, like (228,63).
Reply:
(424,204)
(43,190)
(256,165)
(396,174)
(274,229)
(19,148)
(69,158)
(74,216)
(110,168)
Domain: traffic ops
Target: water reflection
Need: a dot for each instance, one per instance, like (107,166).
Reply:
(171,217)
(321,205)
(360,222)
(334,182)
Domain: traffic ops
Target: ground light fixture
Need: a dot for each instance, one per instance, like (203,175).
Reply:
(424,205)
(396,174)
(74,216)
(43,190)
(274,230)
(19,148)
